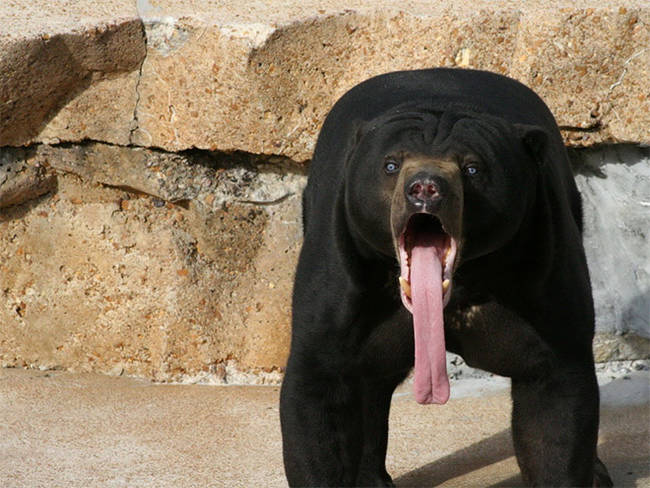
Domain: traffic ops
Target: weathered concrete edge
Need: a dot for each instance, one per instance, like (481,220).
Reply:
(608,349)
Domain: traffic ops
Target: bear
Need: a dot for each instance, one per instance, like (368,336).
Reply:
(440,214)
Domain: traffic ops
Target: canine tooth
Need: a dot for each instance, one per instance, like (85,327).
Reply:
(445,285)
(447,253)
(405,286)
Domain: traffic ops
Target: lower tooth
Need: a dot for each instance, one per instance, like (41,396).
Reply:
(405,286)
(445,285)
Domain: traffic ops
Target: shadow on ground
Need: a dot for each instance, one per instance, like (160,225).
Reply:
(491,450)
(625,452)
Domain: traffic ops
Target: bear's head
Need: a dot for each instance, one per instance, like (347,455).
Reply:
(455,182)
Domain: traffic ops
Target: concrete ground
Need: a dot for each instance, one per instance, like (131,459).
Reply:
(60,429)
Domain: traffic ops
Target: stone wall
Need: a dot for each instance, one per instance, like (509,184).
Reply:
(153,263)
(614,182)
(153,152)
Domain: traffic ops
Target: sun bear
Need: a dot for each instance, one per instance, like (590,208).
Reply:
(440,214)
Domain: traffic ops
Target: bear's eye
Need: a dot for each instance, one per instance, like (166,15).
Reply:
(471,168)
(391,166)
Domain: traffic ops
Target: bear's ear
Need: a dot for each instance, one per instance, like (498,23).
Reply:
(535,140)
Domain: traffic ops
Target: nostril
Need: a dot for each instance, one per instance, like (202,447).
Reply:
(432,190)
(416,189)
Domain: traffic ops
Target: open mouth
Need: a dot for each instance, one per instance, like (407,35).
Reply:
(424,233)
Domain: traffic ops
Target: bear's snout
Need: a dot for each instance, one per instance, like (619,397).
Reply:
(426,191)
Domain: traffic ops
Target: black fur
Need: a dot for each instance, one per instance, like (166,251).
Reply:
(521,304)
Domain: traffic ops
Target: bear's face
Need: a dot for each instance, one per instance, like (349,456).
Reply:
(461,181)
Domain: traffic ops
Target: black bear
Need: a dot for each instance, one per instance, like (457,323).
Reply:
(440,214)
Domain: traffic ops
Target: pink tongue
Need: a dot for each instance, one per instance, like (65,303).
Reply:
(431,381)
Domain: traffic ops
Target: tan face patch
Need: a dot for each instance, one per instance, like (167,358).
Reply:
(451,209)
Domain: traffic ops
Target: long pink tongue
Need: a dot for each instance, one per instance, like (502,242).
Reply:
(431,381)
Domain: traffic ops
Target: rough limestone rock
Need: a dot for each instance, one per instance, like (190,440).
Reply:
(20,181)
(152,264)
(260,76)
(68,70)
(151,162)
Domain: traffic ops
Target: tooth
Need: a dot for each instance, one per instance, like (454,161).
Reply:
(445,285)
(405,286)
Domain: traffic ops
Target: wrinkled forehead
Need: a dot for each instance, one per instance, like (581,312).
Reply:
(478,134)
(415,130)
(436,133)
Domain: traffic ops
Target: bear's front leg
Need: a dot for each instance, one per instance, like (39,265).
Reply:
(555,427)
(385,359)
(322,429)
(376,406)
(554,392)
